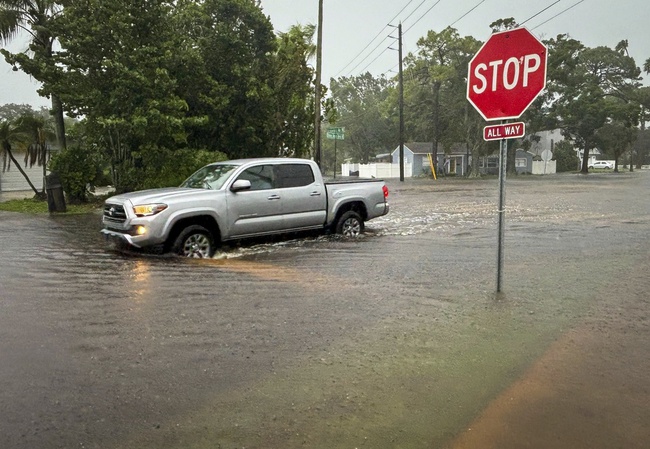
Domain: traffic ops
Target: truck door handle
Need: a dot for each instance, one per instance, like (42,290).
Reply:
(314,194)
(273,197)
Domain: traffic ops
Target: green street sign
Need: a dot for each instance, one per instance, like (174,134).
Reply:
(336,133)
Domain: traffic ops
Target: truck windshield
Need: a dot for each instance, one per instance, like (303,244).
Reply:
(209,177)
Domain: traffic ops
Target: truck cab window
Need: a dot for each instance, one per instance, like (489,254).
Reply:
(262,177)
(295,175)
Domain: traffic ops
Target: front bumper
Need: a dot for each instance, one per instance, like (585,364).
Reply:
(120,238)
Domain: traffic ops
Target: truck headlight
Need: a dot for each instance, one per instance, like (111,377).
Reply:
(145,210)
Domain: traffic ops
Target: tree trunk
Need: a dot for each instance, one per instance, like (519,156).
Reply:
(585,160)
(57,112)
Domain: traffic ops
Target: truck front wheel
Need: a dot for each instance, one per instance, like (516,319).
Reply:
(350,224)
(194,241)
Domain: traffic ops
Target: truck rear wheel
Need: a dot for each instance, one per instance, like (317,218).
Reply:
(194,241)
(350,224)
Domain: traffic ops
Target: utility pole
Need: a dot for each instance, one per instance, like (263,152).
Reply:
(436,122)
(401,101)
(401,107)
(317,110)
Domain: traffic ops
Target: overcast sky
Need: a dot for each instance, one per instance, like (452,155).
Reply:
(356,33)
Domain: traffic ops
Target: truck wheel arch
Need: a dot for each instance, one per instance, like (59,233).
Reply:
(206,221)
(194,241)
(356,207)
(349,224)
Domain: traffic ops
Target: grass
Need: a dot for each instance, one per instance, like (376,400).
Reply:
(36,206)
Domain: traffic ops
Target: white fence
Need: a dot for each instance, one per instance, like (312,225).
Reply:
(387,170)
(544,168)
(376,170)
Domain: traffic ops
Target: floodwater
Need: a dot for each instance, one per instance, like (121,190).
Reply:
(393,340)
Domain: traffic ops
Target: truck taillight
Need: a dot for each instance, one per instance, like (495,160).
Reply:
(385,189)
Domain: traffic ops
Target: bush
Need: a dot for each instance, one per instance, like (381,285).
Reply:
(78,168)
(565,157)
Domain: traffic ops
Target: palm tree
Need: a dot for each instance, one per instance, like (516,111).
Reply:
(12,135)
(33,17)
(38,129)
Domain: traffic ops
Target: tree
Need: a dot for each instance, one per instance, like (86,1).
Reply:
(294,95)
(364,107)
(615,139)
(437,109)
(35,18)
(12,136)
(580,81)
(235,47)
(503,24)
(565,157)
(40,133)
(641,148)
(13,111)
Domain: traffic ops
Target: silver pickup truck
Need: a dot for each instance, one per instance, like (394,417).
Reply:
(237,199)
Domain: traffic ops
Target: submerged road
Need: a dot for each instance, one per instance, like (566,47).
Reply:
(393,340)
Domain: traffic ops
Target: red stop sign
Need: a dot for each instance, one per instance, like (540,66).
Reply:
(507,74)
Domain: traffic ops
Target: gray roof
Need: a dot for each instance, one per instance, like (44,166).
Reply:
(420,147)
(427,147)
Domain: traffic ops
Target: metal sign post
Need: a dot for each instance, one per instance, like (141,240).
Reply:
(504,78)
(503,163)
(335,134)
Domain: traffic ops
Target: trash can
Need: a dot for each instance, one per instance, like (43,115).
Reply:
(54,189)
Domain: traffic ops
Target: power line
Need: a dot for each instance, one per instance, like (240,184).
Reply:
(463,16)
(415,23)
(373,39)
(380,42)
(558,14)
(422,16)
(456,21)
(535,15)
(364,49)
(370,63)
(413,12)
(369,54)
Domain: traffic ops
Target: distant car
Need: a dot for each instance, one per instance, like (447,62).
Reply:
(602,164)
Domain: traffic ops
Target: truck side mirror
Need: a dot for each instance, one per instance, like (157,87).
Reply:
(240,184)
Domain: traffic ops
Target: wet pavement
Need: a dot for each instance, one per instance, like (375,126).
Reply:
(393,340)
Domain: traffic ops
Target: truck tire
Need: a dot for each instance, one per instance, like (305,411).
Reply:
(194,241)
(350,224)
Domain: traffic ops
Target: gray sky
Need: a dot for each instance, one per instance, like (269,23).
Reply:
(350,26)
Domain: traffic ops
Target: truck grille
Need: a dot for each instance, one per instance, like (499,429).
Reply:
(114,213)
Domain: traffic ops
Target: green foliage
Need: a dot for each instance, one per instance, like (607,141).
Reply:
(581,81)
(12,112)
(435,94)
(151,78)
(503,24)
(161,167)
(614,139)
(13,136)
(116,68)
(78,167)
(231,80)
(293,111)
(565,157)
(641,149)
(366,111)
(40,132)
